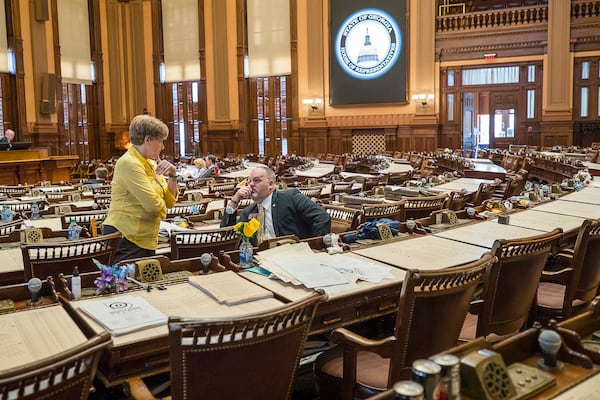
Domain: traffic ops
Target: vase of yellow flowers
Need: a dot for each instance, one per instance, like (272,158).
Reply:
(246,230)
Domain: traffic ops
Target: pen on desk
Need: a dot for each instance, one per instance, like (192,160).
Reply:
(143,285)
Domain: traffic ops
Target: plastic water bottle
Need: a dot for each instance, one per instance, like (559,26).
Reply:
(74,230)
(6,214)
(35,210)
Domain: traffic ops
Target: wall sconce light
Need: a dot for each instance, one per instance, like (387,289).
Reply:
(313,104)
(423,98)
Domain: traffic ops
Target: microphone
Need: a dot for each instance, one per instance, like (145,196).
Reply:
(411,225)
(205,259)
(34,285)
(550,342)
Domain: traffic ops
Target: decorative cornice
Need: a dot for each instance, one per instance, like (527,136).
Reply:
(501,46)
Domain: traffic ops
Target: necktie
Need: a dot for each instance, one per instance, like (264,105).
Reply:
(261,228)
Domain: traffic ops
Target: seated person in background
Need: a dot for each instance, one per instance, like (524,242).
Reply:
(286,212)
(8,137)
(211,167)
(101,173)
(200,165)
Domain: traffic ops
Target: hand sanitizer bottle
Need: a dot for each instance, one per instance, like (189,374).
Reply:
(74,230)
(76,284)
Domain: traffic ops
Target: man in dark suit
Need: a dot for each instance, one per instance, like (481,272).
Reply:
(286,212)
(8,137)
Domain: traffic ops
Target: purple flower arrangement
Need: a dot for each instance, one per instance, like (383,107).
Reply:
(113,279)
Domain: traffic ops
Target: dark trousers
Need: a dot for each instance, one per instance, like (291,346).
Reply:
(127,250)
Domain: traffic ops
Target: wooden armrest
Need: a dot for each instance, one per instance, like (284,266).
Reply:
(476,307)
(560,276)
(356,342)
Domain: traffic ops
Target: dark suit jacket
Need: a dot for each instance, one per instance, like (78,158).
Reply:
(293,214)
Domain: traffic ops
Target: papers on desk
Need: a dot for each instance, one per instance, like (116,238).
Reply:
(299,265)
(123,314)
(166,228)
(229,288)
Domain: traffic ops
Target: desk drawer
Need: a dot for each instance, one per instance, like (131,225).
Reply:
(346,310)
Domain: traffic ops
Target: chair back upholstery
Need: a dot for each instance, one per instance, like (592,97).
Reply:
(343,219)
(509,293)
(51,258)
(392,210)
(186,244)
(432,308)
(586,265)
(67,375)
(253,357)
(421,207)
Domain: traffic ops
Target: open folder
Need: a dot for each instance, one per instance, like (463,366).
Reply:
(229,288)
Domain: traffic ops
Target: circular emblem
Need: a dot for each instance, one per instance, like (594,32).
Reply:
(368,44)
(118,305)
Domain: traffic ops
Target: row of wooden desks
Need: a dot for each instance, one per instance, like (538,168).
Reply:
(146,352)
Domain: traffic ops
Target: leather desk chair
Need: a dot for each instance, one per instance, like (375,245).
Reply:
(49,259)
(343,219)
(509,294)
(570,290)
(251,357)
(432,308)
(188,244)
(484,192)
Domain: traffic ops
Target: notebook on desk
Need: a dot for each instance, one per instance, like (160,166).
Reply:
(229,288)
(123,314)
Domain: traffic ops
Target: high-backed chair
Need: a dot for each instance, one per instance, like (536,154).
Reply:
(343,219)
(392,210)
(183,210)
(431,310)
(572,288)
(508,296)
(261,353)
(484,192)
(49,259)
(186,244)
(420,207)
(67,375)
(8,228)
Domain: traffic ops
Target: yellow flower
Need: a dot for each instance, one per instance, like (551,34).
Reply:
(247,229)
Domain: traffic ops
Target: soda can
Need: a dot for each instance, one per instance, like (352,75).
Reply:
(450,375)
(427,373)
(408,390)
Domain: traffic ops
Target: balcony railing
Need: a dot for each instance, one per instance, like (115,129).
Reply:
(513,16)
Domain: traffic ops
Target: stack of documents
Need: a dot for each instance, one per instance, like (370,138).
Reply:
(123,314)
(229,288)
(299,265)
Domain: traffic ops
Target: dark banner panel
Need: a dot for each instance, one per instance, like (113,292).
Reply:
(368,51)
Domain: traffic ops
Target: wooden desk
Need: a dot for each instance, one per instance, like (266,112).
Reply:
(11,265)
(366,302)
(570,208)
(484,234)
(425,253)
(468,184)
(317,171)
(589,195)
(146,352)
(545,221)
(34,165)
(485,171)
(35,334)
